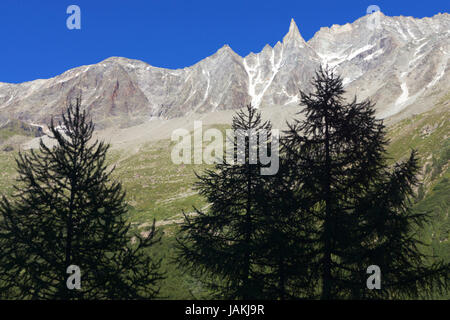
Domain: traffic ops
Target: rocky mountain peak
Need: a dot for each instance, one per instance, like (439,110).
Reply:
(293,34)
(225,52)
(225,49)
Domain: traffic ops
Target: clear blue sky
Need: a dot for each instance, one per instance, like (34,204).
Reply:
(35,42)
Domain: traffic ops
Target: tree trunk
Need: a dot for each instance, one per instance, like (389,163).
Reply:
(327,279)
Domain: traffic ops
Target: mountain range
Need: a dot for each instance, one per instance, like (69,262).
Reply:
(401,63)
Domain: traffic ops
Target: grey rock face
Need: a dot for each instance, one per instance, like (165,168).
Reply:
(276,74)
(399,62)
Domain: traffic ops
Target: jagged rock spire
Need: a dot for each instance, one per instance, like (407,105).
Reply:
(293,34)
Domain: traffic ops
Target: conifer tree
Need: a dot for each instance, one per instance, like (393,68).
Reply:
(283,256)
(67,210)
(221,245)
(357,207)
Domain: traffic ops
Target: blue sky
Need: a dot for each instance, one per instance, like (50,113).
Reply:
(35,42)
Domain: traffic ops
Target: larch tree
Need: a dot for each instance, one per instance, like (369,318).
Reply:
(357,207)
(221,245)
(68,211)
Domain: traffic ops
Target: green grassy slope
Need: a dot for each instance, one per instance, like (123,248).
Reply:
(156,187)
(17,127)
(429,133)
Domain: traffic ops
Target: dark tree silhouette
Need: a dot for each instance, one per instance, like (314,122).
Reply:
(66,211)
(283,257)
(221,245)
(356,207)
